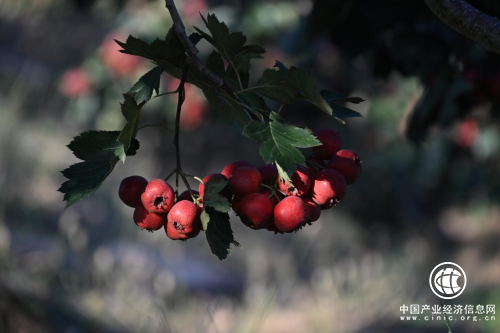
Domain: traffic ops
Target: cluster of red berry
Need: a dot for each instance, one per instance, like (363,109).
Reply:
(258,196)
(155,207)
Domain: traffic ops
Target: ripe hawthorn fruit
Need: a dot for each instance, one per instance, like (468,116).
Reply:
(183,221)
(314,209)
(269,173)
(230,168)
(301,182)
(290,214)
(147,220)
(328,188)
(158,197)
(255,210)
(331,143)
(226,191)
(245,180)
(130,190)
(348,163)
(186,196)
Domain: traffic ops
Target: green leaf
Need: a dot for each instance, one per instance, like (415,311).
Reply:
(131,111)
(255,101)
(159,51)
(148,83)
(215,63)
(218,232)
(227,107)
(232,48)
(280,141)
(342,112)
(305,83)
(212,198)
(230,45)
(97,149)
(276,86)
(282,68)
(331,96)
(168,53)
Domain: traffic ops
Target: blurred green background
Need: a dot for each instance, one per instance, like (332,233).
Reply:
(430,190)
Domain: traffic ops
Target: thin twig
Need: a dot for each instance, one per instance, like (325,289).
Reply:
(180,100)
(468,21)
(191,49)
(193,59)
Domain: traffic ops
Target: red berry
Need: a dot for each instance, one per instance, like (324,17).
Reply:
(147,220)
(245,180)
(226,192)
(183,221)
(301,182)
(158,197)
(267,192)
(331,143)
(314,209)
(255,210)
(229,169)
(290,214)
(186,196)
(348,163)
(328,188)
(131,189)
(269,173)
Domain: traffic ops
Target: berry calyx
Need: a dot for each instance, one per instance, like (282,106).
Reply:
(290,214)
(230,168)
(183,221)
(158,197)
(226,192)
(186,196)
(255,210)
(269,173)
(130,190)
(348,163)
(328,188)
(314,209)
(331,143)
(147,220)
(245,180)
(301,182)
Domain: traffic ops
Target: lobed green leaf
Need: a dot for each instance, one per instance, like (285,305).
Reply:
(98,150)
(218,231)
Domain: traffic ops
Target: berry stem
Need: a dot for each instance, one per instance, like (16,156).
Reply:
(199,179)
(159,126)
(181,96)
(268,187)
(164,94)
(170,174)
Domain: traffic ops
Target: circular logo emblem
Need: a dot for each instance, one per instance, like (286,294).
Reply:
(447,280)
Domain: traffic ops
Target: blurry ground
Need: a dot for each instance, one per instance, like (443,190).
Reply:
(90,269)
